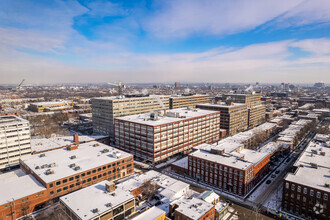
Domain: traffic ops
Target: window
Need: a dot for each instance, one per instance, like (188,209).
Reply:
(99,176)
(94,171)
(58,183)
(77,177)
(113,164)
(51,192)
(39,194)
(109,172)
(51,185)
(311,192)
(25,200)
(99,169)
(59,190)
(325,196)
(77,184)
(83,174)
(65,188)
(318,195)
(104,174)
(71,178)
(292,187)
(109,166)
(305,190)
(298,188)
(89,173)
(94,177)
(104,167)
(65,180)
(72,185)
(89,179)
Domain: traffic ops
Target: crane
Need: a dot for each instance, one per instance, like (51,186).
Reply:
(120,86)
(19,86)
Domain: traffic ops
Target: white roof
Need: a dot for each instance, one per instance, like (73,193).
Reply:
(123,97)
(164,119)
(42,144)
(222,105)
(270,147)
(11,119)
(209,196)
(15,185)
(182,163)
(151,213)
(193,208)
(83,201)
(50,103)
(87,157)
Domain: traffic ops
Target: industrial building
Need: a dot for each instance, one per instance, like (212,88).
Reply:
(105,109)
(15,140)
(55,173)
(156,137)
(306,191)
(49,106)
(256,111)
(188,100)
(233,116)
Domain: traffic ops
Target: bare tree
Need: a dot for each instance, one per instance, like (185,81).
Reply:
(149,189)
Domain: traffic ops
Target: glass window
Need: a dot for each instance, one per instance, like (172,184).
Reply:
(318,195)
(89,173)
(71,178)
(72,185)
(58,183)
(51,185)
(59,190)
(311,192)
(325,196)
(65,180)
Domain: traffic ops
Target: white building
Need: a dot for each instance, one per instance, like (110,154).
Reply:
(15,140)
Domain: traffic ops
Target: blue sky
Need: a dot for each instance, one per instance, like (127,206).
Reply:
(165,41)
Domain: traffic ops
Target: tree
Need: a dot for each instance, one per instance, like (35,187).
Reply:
(149,190)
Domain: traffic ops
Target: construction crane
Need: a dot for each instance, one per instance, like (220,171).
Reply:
(19,86)
(120,86)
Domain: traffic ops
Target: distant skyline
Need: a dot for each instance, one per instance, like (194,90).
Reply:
(269,41)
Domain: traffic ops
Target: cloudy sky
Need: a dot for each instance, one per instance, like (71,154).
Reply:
(165,41)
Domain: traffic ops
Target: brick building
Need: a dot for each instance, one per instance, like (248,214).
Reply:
(156,137)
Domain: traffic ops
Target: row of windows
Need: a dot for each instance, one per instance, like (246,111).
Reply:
(305,191)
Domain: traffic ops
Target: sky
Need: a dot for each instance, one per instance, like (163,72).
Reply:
(209,41)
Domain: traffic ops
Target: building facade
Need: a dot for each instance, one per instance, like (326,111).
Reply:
(15,140)
(48,106)
(233,116)
(188,100)
(157,137)
(105,109)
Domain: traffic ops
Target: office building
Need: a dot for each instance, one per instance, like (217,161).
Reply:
(105,109)
(105,201)
(15,140)
(256,111)
(306,191)
(233,116)
(156,137)
(188,100)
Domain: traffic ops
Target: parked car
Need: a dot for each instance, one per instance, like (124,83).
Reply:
(268,181)
(273,176)
(277,171)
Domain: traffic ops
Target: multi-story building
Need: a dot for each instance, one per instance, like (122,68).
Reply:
(306,191)
(256,111)
(58,172)
(188,100)
(156,137)
(105,109)
(233,116)
(105,201)
(15,140)
(49,106)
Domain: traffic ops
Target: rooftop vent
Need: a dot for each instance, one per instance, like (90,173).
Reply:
(322,153)
(327,185)
(108,204)
(96,145)
(77,168)
(52,165)
(95,210)
(73,157)
(110,187)
(49,171)
(314,165)
(42,155)
(44,166)
(37,167)
(314,151)
(72,165)
(117,155)
(154,116)
(105,150)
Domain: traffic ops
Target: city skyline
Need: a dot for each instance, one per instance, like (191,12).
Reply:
(157,41)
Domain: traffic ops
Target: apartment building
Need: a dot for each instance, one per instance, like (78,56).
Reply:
(105,109)
(15,140)
(306,191)
(48,106)
(188,100)
(256,111)
(233,116)
(105,201)
(58,172)
(156,137)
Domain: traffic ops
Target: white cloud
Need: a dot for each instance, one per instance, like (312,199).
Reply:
(316,46)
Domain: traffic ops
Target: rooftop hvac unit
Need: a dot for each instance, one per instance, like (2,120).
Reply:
(49,171)
(77,168)
(72,165)
(44,166)
(117,155)
(96,145)
(314,151)
(73,157)
(42,155)
(108,204)
(37,167)
(322,153)
(52,165)
(154,116)
(327,185)
(314,165)
(95,210)
(105,150)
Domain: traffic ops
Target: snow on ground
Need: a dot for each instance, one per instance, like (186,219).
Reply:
(166,163)
(273,203)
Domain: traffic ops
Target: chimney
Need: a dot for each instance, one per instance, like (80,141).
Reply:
(76,139)
(110,187)
(74,147)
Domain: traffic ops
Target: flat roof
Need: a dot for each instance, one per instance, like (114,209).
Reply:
(185,113)
(50,103)
(193,208)
(41,144)
(152,213)
(124,97)
(182,163)
(87,157)
(16,184)
(8,119)
(83,201)
(226,159)
(222,105)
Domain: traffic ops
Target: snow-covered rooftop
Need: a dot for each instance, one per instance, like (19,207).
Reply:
(193,208)
(184,113)
(88,156)
(82,202)
(152,213)
(182,163)
(16,184)
(222,105)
